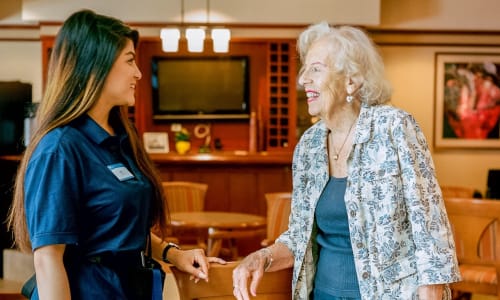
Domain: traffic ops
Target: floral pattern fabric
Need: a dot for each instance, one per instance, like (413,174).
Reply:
(400,233)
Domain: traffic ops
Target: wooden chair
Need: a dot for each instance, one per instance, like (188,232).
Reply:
(475,224)
(184,196)
(218,236)
(274,285)
(278,213)
(449,191)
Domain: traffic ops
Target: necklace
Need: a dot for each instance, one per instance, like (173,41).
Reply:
(336,153)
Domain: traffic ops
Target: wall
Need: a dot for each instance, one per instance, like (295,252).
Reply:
(411,71)
(410,64)
(366,12)
(21,60)
(440,14)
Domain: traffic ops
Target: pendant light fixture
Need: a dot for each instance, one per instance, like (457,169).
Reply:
(170,39)
(195,39)
(195,36)
(220,39)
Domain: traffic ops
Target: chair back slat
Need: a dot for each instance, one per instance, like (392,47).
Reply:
(475,227)
(278,214)
(185,196)
(469,231)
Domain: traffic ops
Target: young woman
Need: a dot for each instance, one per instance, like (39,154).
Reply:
(86,193)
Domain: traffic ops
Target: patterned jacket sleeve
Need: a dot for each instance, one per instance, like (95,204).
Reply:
(435,248)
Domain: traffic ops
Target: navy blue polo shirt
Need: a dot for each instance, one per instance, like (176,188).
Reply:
(83,189)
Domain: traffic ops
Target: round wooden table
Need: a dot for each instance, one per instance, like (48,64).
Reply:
(220,226)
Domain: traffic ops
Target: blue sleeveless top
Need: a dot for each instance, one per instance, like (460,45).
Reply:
(336,274)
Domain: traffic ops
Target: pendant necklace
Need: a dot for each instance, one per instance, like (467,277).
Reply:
(336,154)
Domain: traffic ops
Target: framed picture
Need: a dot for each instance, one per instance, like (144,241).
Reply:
(467,100)
(156,142)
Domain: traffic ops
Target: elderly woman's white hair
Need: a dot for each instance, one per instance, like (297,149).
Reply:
(352,54)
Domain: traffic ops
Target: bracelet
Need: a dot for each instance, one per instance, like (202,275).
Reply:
(165,250)
(269,256)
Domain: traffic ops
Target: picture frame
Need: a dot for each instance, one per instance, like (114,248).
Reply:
(467,100)
(156,142)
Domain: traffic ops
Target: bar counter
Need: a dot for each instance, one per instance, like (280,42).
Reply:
(237,180)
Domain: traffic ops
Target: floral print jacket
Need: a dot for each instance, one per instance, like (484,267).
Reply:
(400,233)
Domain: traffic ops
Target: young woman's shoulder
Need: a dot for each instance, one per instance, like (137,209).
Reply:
(63,139)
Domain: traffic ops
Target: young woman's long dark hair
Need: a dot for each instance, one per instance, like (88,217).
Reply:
(85,49)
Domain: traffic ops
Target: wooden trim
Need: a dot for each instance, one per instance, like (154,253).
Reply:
(11,157)
(369,29)
(5,39)
(19,26)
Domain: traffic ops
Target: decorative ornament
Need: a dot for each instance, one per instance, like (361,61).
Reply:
(350,90)
(182,141)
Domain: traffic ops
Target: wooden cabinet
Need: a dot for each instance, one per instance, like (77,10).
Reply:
(236,182)
(273,94)
(272,68)
(282,99)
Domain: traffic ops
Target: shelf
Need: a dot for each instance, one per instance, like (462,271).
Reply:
(279,130)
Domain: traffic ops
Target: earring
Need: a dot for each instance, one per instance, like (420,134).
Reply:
(350,89)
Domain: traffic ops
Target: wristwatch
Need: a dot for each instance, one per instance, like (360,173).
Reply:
(165,251)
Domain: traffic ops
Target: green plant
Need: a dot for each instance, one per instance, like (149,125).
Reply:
(182,135)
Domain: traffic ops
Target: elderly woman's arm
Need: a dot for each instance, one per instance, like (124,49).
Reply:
(273,258)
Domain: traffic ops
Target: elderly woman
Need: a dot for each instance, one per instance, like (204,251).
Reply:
(368,220)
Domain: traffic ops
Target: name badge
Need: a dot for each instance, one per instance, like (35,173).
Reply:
(120,172)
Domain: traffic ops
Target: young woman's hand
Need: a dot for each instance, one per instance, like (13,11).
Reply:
(193,262)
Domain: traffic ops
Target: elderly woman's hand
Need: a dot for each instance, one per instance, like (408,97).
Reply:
(252,267)
(193,262)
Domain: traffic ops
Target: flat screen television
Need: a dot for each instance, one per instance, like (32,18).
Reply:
(200,88)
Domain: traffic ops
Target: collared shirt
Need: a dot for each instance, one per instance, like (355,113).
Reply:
(83,189)
(400,233)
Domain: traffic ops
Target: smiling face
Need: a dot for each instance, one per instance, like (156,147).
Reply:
(317,78)
(120,84)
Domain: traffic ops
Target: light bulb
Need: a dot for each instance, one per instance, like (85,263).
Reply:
(195,38)
(220,38)
(170,39)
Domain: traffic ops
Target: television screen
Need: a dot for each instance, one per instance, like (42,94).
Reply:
(200,88)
